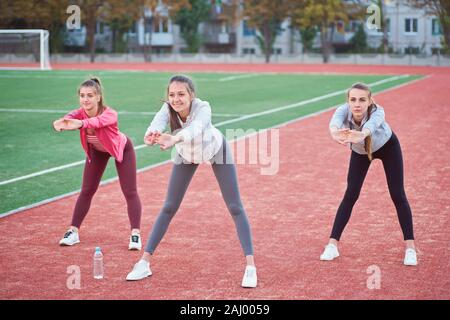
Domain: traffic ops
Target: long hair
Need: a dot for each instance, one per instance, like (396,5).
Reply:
(174,123)
(370,110)
(94,82)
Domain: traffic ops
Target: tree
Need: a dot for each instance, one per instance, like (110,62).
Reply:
(91,10)
(441,9)
(385,40)
(266,16)
(324,14)
(36,14)
(189,18)
(120,15)
(308,35)
(359,40)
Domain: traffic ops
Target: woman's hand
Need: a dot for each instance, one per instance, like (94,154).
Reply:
(354,136)
(73,124)
(150,139)
(339,135)
(67,124)
(167,141)
(59,125)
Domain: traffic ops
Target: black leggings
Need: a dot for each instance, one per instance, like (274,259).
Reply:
(391,156)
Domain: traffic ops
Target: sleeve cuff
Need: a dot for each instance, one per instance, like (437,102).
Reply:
(185,135)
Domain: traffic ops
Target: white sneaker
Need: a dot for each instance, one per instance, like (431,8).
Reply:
(250,279)
(140,271)
(410,257)
(331,252)
(70,238)
(135,242)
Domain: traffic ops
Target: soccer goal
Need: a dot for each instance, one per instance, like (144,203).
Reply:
(24,49)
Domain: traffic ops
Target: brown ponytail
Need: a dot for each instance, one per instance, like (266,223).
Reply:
(94,82)
(368,139)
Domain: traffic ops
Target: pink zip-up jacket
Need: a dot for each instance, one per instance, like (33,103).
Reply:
(106,130)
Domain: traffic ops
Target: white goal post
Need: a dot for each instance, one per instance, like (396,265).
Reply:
(24,49)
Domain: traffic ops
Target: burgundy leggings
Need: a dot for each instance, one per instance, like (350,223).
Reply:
(92,175)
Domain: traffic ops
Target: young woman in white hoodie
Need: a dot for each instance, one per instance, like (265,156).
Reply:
(196,140)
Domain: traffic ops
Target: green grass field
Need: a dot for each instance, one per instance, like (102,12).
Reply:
(31,100)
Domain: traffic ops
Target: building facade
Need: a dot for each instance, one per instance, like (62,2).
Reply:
(410,30)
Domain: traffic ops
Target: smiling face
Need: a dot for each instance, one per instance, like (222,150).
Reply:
(180,98)
(89,99)
(359,101)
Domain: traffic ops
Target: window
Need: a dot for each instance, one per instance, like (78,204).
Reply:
(132,28)
(100,28)
(247,30)
(147,25)
(165,25)
(352,26)
(277,51)
(412,50)
(388,25)
(340,27)
(248,51)
(411,25)
(436,27)
(160,24)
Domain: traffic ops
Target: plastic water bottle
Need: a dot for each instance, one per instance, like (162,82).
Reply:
(98,263)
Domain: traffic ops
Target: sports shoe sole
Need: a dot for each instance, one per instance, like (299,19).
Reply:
(324,259)
(134,247)
(249,285)
(409,264)
(63,244)
(143,277)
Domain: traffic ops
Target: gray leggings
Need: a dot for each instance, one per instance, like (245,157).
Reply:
(182,174)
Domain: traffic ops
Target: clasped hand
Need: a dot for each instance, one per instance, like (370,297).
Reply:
(345,135)
(164,140)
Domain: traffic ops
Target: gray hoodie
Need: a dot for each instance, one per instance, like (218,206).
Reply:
(379,128)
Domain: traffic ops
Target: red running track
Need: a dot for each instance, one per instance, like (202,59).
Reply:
(256,67)
(290,213)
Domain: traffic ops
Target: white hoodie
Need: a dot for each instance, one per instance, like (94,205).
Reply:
(201,140)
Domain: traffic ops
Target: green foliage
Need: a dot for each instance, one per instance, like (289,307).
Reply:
(189,20)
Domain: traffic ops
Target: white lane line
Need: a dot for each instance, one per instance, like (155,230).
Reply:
(238,77)
(302,103)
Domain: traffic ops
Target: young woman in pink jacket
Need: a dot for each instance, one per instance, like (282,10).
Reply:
(101,139)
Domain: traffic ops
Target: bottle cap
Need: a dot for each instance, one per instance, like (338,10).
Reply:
(98,249)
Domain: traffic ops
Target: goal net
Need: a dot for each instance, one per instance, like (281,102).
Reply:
(24,49)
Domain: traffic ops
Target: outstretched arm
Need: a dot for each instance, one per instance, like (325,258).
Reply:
(167,141)
(67,124)
(157,126)
(339,135)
